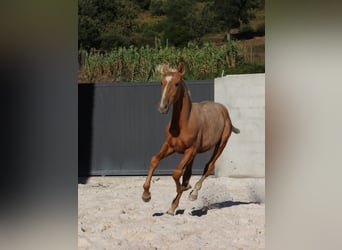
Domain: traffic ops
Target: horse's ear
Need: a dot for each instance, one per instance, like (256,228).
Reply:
(181,68)
(165,70)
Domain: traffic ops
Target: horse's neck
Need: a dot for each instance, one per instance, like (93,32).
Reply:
(181,111)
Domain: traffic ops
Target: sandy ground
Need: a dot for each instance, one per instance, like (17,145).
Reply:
(228,214)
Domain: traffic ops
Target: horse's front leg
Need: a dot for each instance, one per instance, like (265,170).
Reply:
(186,176)
(186,160)
(164,152)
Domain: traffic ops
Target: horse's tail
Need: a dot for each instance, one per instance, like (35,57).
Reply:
(235,130)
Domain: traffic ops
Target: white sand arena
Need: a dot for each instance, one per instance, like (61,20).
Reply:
(228,214)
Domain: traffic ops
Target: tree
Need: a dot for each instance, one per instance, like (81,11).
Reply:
(179,26)
(119,31)
(157,7)
(231,14)
(88,24)
(207,20)
(104,24)
(143,4)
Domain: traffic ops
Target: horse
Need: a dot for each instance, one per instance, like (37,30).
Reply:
(194,128)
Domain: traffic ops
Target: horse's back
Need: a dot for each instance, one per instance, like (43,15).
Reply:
(213,110)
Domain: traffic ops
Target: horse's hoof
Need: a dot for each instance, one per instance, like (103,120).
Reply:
(186,188)
(192,196)
(146,198)
(170,213)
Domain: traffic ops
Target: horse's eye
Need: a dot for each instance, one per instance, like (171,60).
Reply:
(177,84)
(161,83)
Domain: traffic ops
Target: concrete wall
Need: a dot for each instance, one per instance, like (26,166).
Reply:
(244,96)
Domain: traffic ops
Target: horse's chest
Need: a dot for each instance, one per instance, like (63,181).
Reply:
(178,145)
(181,143)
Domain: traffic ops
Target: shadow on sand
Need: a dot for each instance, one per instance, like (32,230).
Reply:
(204,210)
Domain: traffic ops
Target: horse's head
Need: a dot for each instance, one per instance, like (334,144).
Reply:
(171,83)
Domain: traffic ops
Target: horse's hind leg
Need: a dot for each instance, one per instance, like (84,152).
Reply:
(211,164)
(164,152)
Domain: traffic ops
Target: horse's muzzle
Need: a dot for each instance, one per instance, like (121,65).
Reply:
(164,109)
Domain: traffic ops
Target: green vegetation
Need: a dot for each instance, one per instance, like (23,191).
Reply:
(124,40)
(144,63)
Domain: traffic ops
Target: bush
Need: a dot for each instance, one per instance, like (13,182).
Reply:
(260,29)
(246,28)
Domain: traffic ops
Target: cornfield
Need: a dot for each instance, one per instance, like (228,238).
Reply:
(134,64)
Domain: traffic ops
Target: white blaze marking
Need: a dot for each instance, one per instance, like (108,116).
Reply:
(168,80)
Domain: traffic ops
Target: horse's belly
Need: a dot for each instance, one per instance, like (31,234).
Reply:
(205,148)
(181,146)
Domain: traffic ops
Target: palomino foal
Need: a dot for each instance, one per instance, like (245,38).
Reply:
(194,128)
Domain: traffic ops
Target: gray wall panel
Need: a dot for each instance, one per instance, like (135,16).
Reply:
(120,128)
